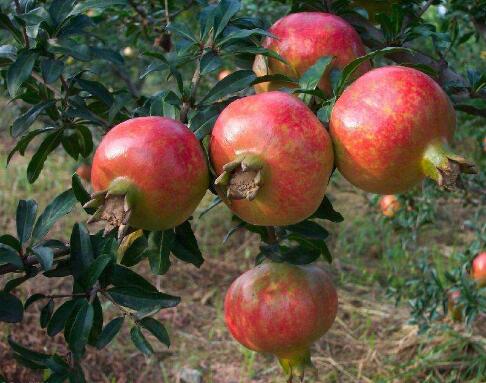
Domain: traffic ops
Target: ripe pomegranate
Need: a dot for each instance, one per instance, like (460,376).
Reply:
(389,205)
(453,306)
(84,171)
(224,73)
(148,173)
(390,129)
(478,270)
(273,157)
(281,309)
(303,38)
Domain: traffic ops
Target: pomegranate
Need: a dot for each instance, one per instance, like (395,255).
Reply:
(273,158)
(389,205)
(281,309)
(224,73)
(303,38)
(478,270)
(390,129)
(453,306)
(84,171)
(148,173)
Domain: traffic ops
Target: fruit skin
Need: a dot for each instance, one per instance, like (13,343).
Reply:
(159,164)
(305,37)
(389,205)
(454,308)
(478,269)
(294,150)
(84,172)
(224,73)
(281,309)
(390,129)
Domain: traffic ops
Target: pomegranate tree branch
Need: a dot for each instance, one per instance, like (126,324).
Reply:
(31,260)
(188,104)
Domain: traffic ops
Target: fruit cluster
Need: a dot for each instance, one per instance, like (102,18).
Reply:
(272,159)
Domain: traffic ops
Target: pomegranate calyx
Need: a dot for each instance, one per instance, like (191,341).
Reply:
(241,178)
(296,366)
(446,168)
(113,207)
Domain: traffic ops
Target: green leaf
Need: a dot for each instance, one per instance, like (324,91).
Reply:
(140,342)
(25,140)
(60,9)
(20,71)
(109,332)
(309,229)
(37,162)
(13,283)
(97,90)
(34,356)
(185,246)
(32,299)
(6,24)
(311,77)
(8,54)
(58,320)
(97,327)
(80,192)
(11,241)
(158,251)
(10,255)
(51,70)
(81,250)
(124,277)
(98,4)
(45,256)
(46,313)
(59,207)
(225,10)
(34,16)
(26,213)
(56,378)
(349,69)
(233,83)
(183,31)
(243,34)
(138,299)
(74,25)
(135,253)
(210,61)
(326,211)
(79,334)
(11,308)
(23,123)
(94,271)
(157,329)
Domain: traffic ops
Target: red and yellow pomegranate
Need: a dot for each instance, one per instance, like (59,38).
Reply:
(478,269)
(389,205)
(281,309)
(390,129)
(302,39)
(148,173)
(273,159)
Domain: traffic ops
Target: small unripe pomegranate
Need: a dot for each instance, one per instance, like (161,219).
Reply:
(453,306)
(389,205)
(224,73)
(70,61)
(281,309)
(478,269)
(302,39)
(273,159)
(149,173)
(390,129)
(128,52)
(84,171)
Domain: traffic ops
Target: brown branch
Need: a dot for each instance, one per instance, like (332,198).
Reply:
(272,238)
(133,87)
(31,260)
(187,105)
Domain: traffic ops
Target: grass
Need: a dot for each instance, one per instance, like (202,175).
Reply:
(371,340)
